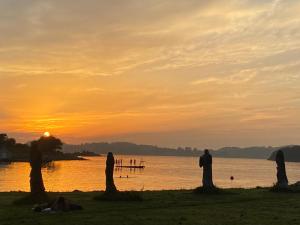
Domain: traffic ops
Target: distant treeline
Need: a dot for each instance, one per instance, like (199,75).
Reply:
(249,152)
(291,154)
(125,148)
(12,151)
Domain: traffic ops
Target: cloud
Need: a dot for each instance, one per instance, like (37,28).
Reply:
(241,77)
(133,65)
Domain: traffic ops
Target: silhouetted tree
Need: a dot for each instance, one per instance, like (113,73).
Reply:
(36,179)
(6,141)
(49,145)
(206,162)
(109,172)
(282,180)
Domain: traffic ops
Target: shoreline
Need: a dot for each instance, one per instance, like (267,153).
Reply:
(264,188)
(189,156)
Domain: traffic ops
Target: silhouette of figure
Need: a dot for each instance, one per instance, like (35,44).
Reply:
(134,162)
(60,204)
(282,180)
(130,162)
(109,172)
(206,162)
(36,179)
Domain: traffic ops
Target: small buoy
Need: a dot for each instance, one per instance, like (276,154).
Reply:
(231,178)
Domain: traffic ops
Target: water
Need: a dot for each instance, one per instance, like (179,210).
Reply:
(161,172)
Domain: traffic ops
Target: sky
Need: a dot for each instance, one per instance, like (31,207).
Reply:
(172,73)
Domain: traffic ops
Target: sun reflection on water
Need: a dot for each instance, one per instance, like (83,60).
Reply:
(160,173)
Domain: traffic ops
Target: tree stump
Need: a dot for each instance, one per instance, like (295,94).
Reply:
(109,172)
(36,180)
(206,162)
(282,180)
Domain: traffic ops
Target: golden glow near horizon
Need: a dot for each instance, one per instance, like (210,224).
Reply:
(46,134)
(189,73)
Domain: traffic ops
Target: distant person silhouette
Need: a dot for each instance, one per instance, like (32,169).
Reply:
(282,180)
(109,172)
(36,179)
(205,161)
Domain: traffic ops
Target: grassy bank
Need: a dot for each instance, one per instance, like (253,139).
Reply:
(256,206)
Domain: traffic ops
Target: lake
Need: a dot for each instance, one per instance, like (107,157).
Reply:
(160,173)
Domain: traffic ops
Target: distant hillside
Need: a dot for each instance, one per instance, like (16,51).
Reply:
(291,154)
(125,148)
(250,152)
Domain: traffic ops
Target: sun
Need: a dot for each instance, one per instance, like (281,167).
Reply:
(46,134)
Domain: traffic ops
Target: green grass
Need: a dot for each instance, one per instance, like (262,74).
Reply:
(33,199)
(120,196)
(236,206)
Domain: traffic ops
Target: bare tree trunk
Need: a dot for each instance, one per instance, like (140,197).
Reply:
(109,172)
(36,179)
(206,162)
(282,180)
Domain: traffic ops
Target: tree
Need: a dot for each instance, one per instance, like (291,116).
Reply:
(36,180)
(5,141)
(49,145)
(109,172)
(44,145)
(3,138)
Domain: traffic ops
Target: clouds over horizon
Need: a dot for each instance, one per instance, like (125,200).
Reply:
(111,68)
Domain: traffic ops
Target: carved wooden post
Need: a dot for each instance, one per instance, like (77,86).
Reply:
(109,172)
(36,180)
(206,162)
(282,180)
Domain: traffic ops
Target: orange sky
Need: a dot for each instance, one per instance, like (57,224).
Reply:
(171,73)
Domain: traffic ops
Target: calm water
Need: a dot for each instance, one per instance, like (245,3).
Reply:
(160,173)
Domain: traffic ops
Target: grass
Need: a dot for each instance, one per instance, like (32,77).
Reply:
(290,189)
(212,191)
(235,206)
(120,196)
(33,199)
